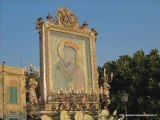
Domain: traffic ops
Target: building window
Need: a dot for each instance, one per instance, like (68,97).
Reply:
(13,96)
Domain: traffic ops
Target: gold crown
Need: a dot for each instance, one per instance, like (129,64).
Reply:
(72,44)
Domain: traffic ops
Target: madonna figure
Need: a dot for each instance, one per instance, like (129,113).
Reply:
(67,72)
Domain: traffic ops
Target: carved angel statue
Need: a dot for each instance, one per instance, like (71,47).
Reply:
(32,97)
(32,93)
(79,115)
(64,115)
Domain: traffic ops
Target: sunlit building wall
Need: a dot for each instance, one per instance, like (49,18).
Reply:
(12,93)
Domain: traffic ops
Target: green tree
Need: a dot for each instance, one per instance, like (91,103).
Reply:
(139,76)
(100,80)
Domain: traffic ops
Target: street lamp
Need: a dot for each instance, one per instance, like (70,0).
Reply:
(124,99)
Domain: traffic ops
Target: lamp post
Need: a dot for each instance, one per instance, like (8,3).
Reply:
(124,99)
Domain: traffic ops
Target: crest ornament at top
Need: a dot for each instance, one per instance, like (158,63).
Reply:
(66,18)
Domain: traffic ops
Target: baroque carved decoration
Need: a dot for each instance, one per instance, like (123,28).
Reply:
(66,22)
(84,25)
(39,24)
(66,18)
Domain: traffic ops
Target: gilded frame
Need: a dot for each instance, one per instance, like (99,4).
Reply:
(44,30)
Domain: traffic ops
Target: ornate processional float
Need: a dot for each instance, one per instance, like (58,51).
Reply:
(68,71)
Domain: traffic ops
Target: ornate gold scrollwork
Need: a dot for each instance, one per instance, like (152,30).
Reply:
(39,24)
(66,18)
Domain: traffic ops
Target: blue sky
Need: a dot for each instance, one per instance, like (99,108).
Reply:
(124,27)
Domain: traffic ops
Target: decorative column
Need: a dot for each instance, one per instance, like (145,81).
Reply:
(41,28)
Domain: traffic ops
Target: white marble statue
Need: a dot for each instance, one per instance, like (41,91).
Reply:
(64,115)
(79,115)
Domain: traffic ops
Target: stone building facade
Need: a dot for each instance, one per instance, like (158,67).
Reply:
(12,93)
